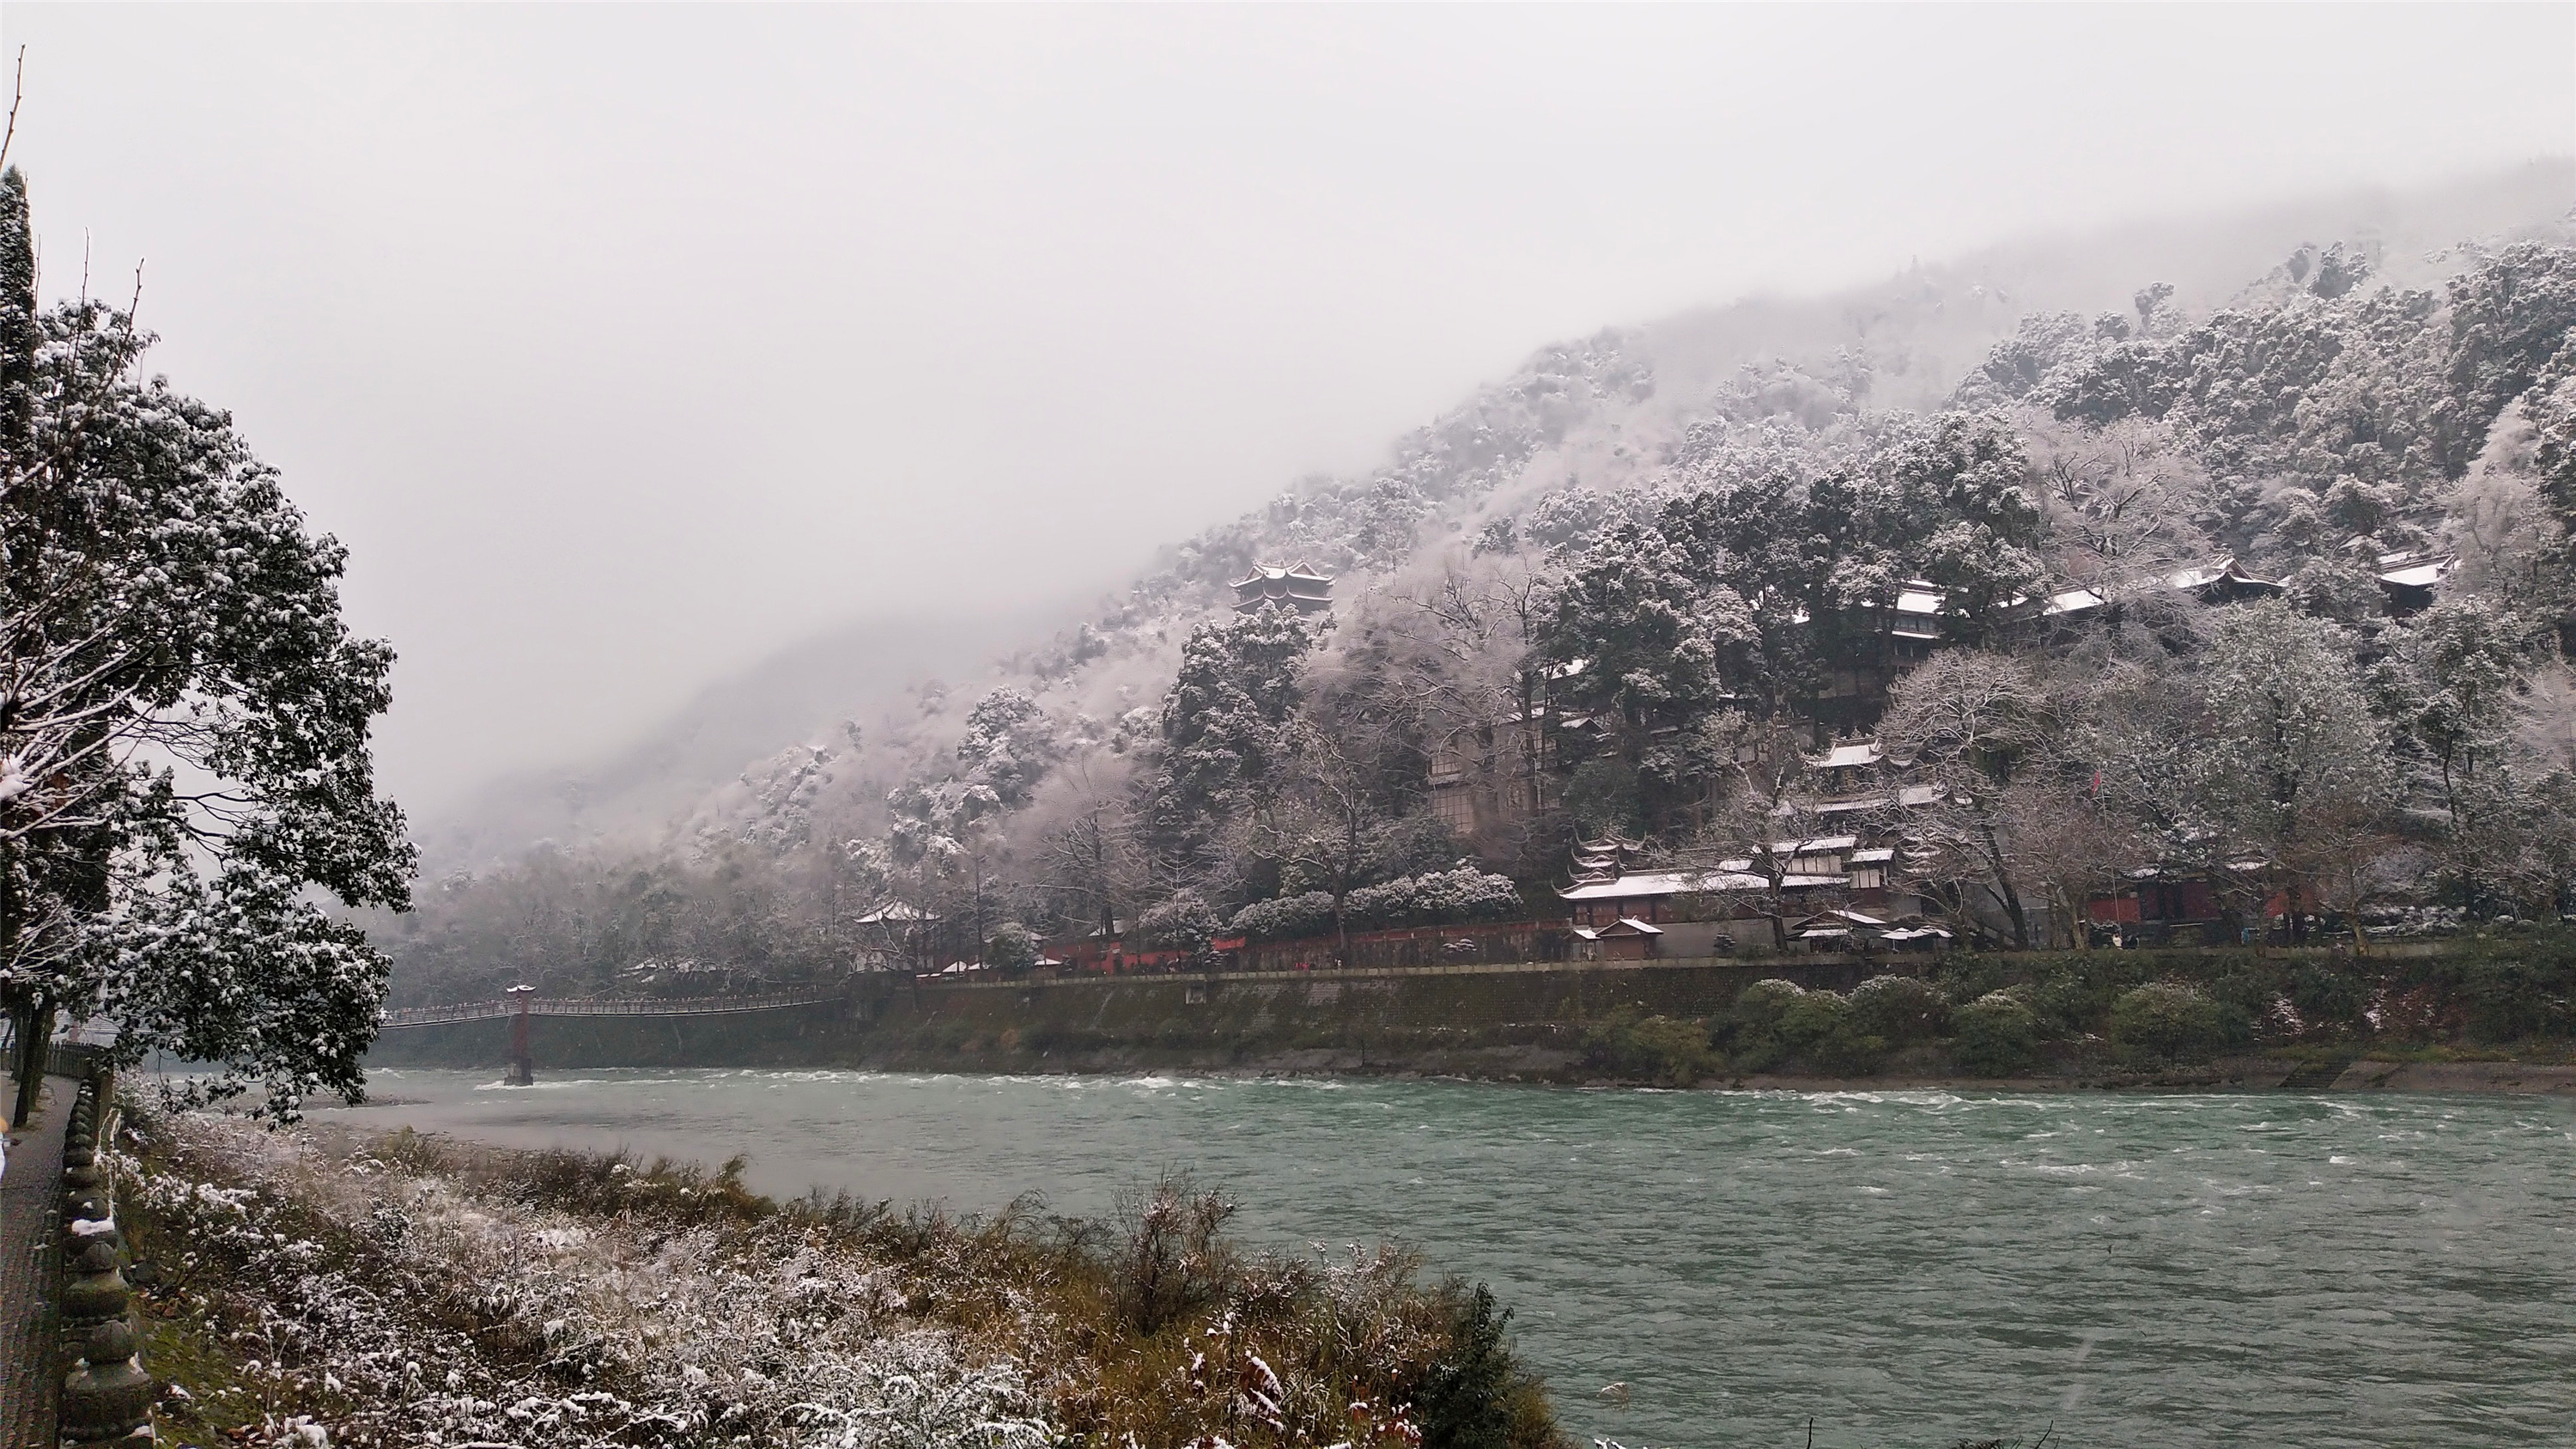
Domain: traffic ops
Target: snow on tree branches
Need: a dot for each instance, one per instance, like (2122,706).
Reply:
(185,718)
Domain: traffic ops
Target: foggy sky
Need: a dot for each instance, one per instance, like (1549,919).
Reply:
(624,345)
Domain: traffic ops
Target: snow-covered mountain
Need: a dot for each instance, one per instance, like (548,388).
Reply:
(1602,413)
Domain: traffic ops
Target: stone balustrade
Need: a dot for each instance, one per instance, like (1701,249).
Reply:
(106,1397)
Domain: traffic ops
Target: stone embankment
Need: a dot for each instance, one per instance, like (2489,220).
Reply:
(1490,1021)
(1496,1021)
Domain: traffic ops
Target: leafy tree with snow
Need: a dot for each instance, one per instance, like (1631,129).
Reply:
(184,720)
(1185,922)
(1971,717)
(1960,512)
(1638,645)
(1008,745)
(2297,765)
(1226,736)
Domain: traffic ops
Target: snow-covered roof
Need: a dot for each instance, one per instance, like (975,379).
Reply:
(1846,807)
(1919,598)
(1910,795)
(2073,601)
(2419,576)
(1915,933)
(1662,883)
(1874,857)
(894,911)
(1788,880)
(1849,754)
(1630,926)
(2226,570)
(1824,931)
(1301,571)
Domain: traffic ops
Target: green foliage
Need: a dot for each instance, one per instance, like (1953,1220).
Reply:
(2167,1021)
(1014,947)
(1777,1023)
(1996,1036)
(1754,1041)
(1650,1048)
(1901,1010)
(1476,1396)
(1603,798)
(2504,986)
(2329,994)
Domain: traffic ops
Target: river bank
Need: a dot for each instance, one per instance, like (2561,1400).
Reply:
(347,1287)
(2182,1269)
(2457,1021)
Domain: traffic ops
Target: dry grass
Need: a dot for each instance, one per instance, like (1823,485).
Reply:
(418,1292)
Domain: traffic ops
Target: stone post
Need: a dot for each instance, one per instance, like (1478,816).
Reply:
(107,1397)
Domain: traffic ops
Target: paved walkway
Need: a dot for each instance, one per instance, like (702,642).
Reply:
(27,1195)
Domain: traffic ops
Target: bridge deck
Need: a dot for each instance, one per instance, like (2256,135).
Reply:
(598,1006)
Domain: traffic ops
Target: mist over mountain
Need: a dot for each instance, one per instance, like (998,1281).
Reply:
(633,788)
(848,771)
(1602,413)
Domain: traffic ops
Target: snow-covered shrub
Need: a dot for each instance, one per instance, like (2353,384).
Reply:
(1437,898)
(1287,918)
(1184,923)
(1900,1009)
(2166,1021)
(1995,1036)
(1014,947)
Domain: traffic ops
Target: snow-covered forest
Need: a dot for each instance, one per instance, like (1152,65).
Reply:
(1675,587)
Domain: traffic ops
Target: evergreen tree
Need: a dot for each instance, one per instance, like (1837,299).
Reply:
(184,720)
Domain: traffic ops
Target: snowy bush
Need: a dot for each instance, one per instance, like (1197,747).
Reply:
(1437,898)
(1014,947)
(1995,1036)
(1183,923)
(2167,1022)
(1287,918)
(1899,1009)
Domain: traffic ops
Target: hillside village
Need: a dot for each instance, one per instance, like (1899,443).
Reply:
(2155,628)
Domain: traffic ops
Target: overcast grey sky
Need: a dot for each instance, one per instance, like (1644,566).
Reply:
(624,345)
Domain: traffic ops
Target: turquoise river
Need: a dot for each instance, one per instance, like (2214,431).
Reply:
(1903,1268)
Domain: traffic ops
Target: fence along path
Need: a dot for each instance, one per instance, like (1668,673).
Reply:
(601,1006)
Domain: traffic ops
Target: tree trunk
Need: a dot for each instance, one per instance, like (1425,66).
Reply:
(2004,892)
(35,1027)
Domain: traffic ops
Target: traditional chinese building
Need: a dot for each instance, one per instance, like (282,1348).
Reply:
(1492,776)
(1296,586)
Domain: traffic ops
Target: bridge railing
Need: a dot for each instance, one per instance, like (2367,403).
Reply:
(602,1006)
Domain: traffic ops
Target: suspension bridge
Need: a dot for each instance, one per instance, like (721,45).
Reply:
(404,1016)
